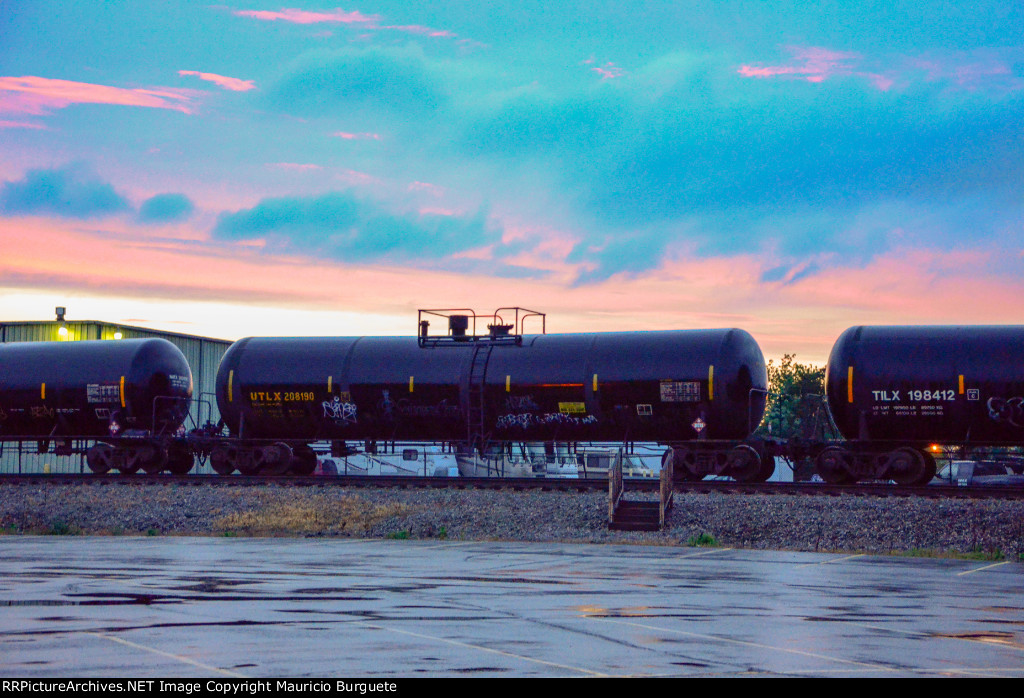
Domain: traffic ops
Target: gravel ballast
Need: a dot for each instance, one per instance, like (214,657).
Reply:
(844,523)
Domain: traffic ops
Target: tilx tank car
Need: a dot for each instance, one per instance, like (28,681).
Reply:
(129,395)
(895,391)
(701,390)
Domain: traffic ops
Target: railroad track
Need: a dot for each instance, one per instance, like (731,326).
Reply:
(1004,491)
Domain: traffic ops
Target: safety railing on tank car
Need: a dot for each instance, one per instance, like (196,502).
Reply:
(166,412)
(750,408)
(462,326)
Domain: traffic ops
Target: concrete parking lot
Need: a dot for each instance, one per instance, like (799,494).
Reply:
(215,607)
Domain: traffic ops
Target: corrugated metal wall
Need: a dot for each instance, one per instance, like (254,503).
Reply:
(203,355)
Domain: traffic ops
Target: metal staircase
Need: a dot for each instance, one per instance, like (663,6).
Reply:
(638,515)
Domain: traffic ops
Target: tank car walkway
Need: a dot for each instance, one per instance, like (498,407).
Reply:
(215,607)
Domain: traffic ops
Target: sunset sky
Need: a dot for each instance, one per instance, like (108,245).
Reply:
(309,168)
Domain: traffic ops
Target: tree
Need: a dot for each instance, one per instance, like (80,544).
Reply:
(796,401)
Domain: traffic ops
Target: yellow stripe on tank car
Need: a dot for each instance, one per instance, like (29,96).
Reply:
(42,391)
(849,385)
(231,383)
(508,384)
(961,384)
(410,383)
(595,382)
(330,384)
(122,392)
(711,383)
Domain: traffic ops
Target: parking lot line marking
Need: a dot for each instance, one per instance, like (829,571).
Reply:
(502,653)
(986,567)
(703,552)
(183,660)
(747,643)
(829,562)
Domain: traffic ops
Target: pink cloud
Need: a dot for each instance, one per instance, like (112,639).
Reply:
(973,70)
(233,84)
(609,71)
(297,16)
(424,31)
(804,316)
(437,211)
(35,95)
(432,189)
(479,253)
(983,69)
(356,136)
(357,178)
(22,124)
(813,64)
(339,16)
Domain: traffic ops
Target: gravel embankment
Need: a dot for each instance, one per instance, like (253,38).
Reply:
(843,523)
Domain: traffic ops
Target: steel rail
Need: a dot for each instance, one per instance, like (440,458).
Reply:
(935,491)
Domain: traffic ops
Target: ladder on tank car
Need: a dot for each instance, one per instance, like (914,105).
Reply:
(475,397)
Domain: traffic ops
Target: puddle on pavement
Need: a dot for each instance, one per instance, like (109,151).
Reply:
(994,638)
(510,580)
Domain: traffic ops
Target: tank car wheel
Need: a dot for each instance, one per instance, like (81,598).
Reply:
(277,458)
(222,460)
(907,466)
(179,459)
(249,469)
(832,465)
(303,461)
(99,458)
(744,464)
(128,468)
(684,462)
(767,469)
(151,458)
(931,468)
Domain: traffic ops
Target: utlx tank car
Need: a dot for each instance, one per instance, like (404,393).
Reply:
(894,391)
(131,395)
(701,390)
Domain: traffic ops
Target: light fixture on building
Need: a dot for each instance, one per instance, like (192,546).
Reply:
(118,335)
(60,310)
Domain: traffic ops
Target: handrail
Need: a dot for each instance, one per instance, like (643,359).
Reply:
(614,486)
(666,490)
(462,326)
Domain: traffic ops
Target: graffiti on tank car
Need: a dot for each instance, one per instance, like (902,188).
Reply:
(441,409)
(386,405)
(521,403)
(43,412)
(508,421)
(339,412)
(526,421)
(1007,410)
